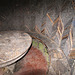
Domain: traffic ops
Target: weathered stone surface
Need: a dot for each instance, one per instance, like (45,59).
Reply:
(74,68)
(8,72)
(1,71)
(72,52)
(5,71)
(13,45)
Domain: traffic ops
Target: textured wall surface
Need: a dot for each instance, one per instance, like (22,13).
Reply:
(16,14)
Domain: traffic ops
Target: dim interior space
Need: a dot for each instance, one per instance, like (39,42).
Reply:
(37,37)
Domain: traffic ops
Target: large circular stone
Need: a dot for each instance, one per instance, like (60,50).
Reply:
(13,46)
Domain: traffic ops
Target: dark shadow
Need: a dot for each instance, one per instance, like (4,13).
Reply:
(31,72)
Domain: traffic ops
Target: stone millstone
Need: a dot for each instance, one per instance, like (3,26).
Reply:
(13,46)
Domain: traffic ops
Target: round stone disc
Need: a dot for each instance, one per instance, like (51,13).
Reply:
(13,46)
